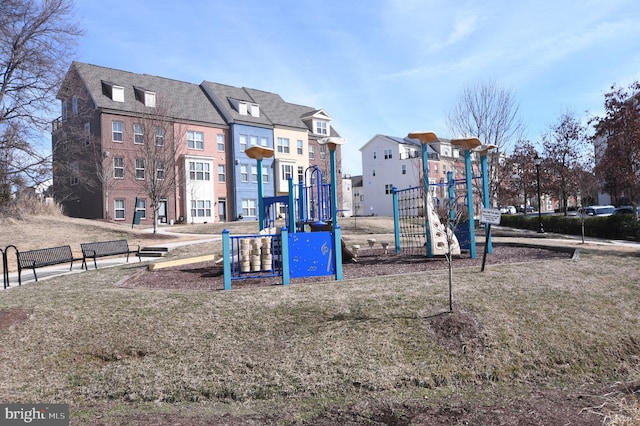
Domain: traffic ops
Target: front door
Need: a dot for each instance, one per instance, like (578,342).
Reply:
(222,209)
(162,211)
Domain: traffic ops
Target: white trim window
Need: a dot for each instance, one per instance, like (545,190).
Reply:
(200,208)
(116,131)
(321,127)
(222,173)
(244,174)
(264,141)
(265,174)
(283,145)
(118,167)
(140,169)
(242,140)
(138,134)
(141,208)
(220,141)
(249,208)
(312,152)
(300,147)
(287,171)
(74,178)
(254,174)
(199,170)
(160,170)
(159,136)
(87,134)
(195,140)
(119,209)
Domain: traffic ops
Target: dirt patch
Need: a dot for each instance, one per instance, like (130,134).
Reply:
(12,316)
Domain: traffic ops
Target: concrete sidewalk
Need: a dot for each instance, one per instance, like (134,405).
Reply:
(47,272)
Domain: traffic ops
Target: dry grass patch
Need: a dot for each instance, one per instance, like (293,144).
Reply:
(294,353)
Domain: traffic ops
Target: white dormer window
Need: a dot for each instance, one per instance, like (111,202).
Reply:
(321,128)
(150,99)
(254,110)
(147,97)
(117,93)
(242,108)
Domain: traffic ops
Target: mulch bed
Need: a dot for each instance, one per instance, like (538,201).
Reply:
(370,263)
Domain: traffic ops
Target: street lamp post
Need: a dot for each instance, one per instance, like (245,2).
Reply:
(537,161)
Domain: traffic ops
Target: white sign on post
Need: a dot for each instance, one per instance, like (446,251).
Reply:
(491,216)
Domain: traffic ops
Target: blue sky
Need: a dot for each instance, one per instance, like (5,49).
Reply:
(378,66)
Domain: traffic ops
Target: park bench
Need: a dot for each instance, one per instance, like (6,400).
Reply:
(32,259)
(104,249)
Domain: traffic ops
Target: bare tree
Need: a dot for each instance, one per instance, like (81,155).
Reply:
(617,135)
(518,175)
(156,157)
(37,38)
(490,113)
(565,151)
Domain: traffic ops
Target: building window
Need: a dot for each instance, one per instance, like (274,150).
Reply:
(64,110)
(159,136)
(160,170)
(117,93)
(141,208)
(254,140)
(222,176)
(220,140)
(139,168)
(321,127)
(249,208)
(283,145)
(199,170)
(118,167)
(299,147)
(300,173)
(74,178)
(116,130)
(404,169)
(312,152)
(388,154)
(388,189)
(201,208)
(287,171)
(265,174)
(243,142)
(244,175)
(264,141)
(323,152)
(195,140)
(74,106)
(118,209)
(138,134)
(87,134)
(254,174)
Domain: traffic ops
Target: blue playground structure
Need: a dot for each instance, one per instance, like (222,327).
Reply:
(416,224)
(309,245)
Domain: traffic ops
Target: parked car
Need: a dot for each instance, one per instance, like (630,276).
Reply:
(522,209)
(626,210)
(508,210)
(596,211)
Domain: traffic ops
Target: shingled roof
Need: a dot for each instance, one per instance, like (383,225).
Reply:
(186,101)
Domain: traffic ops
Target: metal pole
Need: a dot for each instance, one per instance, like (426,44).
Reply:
(540,227)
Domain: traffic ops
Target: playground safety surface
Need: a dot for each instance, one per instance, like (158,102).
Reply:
(370,263)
